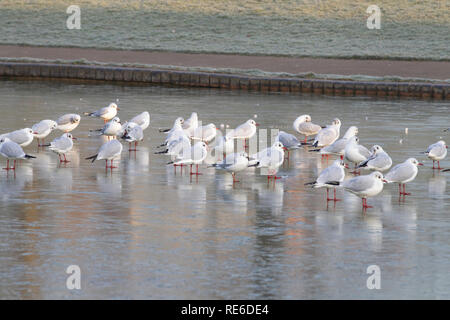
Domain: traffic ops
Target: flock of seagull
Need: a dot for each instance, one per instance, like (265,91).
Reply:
(188,144)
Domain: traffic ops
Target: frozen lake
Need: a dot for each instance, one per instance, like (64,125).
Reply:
(144,232)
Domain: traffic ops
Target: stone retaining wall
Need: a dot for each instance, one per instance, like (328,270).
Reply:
(217,80)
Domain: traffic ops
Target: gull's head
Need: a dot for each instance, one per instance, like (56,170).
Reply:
(414,162)
(376,149)
(68,135)
(352,131)
(116,120)
(3,139)
(278,145)
(179,121)
(75,119)
(354,139)
(442,142)
(304,118)
(378,175)
(252,122)
(30,131)
(113,106)
(336,122)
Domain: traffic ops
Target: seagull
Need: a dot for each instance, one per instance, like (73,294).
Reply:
(338,147)
(42,129)
(176,126)
(436,152)
(68,122)
(106,113)
(62,145)
(403,173)
(22,137)
(191,124)
(233,163)
(112,128)
(289,141)
(196,156)
(334,173)
(365,186)
(12,151)
(108,151)
(244,131)
(174,133)
(133,133)
(304,126)
(378,161)
(205,133)
(355,153)
(328,135)
(178,147)
(142,119)
(271,158)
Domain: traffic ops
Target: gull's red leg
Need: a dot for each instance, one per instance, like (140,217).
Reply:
(335,199)
(328,197)
(305,141)
(439,166)
(404,191)
(7,165)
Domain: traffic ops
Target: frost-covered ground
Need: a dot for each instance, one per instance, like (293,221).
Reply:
(320,28)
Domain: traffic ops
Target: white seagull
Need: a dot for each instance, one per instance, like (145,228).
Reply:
(12,151)
(270,158)
(304,126)
(62,145)
(112,128)
(68,122)
(379,160)
(403,173)
(338,147)
(108,151)
(354,152)
(332,174)
(365,186)
(42,129)
(22,137)
(142,119)
(133,133)
(196,156)
(244,131)
(233,163)
(328,135)
(436,152)
(289,141)
(106,113)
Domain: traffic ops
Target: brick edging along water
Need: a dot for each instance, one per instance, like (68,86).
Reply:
(216,80)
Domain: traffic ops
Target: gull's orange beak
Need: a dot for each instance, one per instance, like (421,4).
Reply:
(420,164)
(346,166)
(118,108)
(257,124)
(35,132)
(385,181)
(73,138)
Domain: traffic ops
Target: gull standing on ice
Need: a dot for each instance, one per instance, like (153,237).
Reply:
(133,133)
(112,128)
(378,161)
(328,135)
(233,163)
(106,113)
(334,173)
(12,151)
(62,145)
(338,147)
(365,186)
(22,137)
(271,159)
(244,131)
(68,122)
(108,151)
(196,156)
(436,152)
(403,173)
(175,133)
(42,129)
(355,153)
(304,126)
